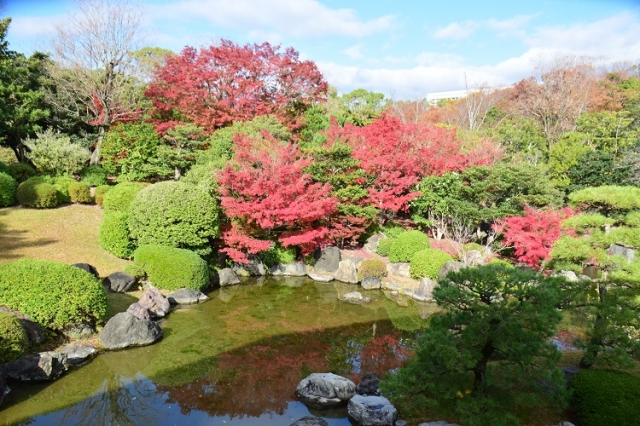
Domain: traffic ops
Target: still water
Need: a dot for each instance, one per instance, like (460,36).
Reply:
(233,360)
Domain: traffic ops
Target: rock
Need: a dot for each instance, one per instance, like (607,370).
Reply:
(472,258)
(399,269)
(39,367)
(357,260)
(325,390)
(568,275)
(155,302)
(119,282)
(4,389)
(370,385)
(139,311)
(371,411)
(400,423)
(77,353)
(89,268)
(354,297)
(323,278)
(328,259)
(449,267)
(295,269)
(310,421)
(372,243)
(79,331)
(226,277)
(125,330)
(424,293)
(627,253)
(255,268)
(35,334)
(371,283)
(347,272)
(186,296)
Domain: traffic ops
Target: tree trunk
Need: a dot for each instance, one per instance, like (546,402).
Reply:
(481,367)
(596,341)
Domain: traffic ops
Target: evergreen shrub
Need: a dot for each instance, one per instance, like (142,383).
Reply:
(94,176)
(21,171)
(407,244)
(8,187)
(114,235)
(99,193)
(172,268)
(278,255)
(372,268)
(38,192)
(79,192)
(384,247)
(54,294)
(427,263)
(13,338)
(134,270)
(119,197)
(62,185)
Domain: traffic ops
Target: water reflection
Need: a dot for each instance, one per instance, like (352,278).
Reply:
(235,359)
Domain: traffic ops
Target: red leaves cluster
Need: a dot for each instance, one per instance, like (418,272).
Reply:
(533,235)
(219,85)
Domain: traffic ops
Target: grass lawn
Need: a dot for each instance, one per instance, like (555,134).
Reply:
(66,234)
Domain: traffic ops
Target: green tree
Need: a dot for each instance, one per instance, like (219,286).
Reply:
(609,131)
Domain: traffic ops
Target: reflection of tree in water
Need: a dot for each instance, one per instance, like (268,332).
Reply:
(405,318)
(120,401)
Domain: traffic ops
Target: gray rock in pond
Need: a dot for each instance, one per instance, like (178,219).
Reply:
(155,302)
(77,353)
(323,278)
(4,389)
(627,253)
(371,411)
(295,269)
(370,385)
(424,293)
(347,272)
(402,269)
(255,268)
(310,421)
(34,332)
(325,390)
(139,311)
(372,243)
(451,266)
(39,367)
(119,282)
(79,331)
(327,259)
(355,298)
(186,296)
(371,283)
(89,268)
(125,330)
(226,277)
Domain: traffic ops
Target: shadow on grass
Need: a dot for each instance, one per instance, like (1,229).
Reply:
(13,241)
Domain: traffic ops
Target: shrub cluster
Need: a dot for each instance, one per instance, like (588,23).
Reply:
(428,262)
(38,192)
(94,176)
(13,338)
(172,268)
(407,244)
(99,193)
(79,192)
(384,246)
(8,187)
(62,185)
(278,255)
(21,171)
(372,268)
(602,397)
(54,294)
(119,197)
(55,154)
(114,235)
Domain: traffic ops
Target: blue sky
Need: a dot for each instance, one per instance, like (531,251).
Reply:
(404,49)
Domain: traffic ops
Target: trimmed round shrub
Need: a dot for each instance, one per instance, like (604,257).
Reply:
(605,397)
(172,268)
(54,294)
(407,244)
(94,176)
(21,171)
(62,184)
(174,214)
(99,193)
(384,246)
(79,192)
(38,192)
(119,197)
(8,187)
(427,263)
(114,235)
(278,255)
(372,268)
(13,338)
(134,270)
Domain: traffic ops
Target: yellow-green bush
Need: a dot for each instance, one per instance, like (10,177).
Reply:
(372,268)
(407,244)
(99,193)
(172,268)
(427,263)
(13,338)
(384,246)
(120,197)
(38,192)
(79,192)
(62,184)
(8,187)
(114,235)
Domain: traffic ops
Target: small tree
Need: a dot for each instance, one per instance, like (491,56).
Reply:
(54,153)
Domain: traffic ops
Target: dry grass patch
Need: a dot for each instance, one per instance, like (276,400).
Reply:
(66,234)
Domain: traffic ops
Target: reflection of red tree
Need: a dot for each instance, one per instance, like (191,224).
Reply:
(381,355)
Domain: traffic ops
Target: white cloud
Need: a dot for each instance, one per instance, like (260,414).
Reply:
(514,24)
(462,30)
(456,30)
(33,26)
(354,52)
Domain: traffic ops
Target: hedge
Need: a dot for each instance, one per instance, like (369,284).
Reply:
(38,192)
(372,268)
(79,192)
(114,235)
(407,244)
(54,294)
(119,197)
(8,187)
(427,263)
(172,268)
(605,397)
(174,214)
(13,338)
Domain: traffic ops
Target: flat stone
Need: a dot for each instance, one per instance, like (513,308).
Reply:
(186,296)
(119,282)
(295,269)
(425,291)
(371,410)
(325,390)
(77,353)
(155,302)
(372,243)
(310,421)
(139,311)
(323,278)
(124,330)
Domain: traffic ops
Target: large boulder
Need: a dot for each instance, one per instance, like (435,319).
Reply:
(155,302)
(327,259)
(310,421)
(119,282)
(401,269)
(77,353)
(35,334)
(125,330)
(371,411)
(347,272)
(372,243)
(371,283)
(226,277)
(451,266)
(186,296)
(355,298)
(39,367)
(139,311)
(254,268)
(424,293)
(472,258)
(89,268)
(79,331)
(627,253)
(370,385)
(325,390)
(294,269)
(4,389)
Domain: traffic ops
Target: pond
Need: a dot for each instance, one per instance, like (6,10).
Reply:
(233,360)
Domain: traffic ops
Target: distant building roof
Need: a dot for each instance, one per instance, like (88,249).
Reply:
(433,98)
